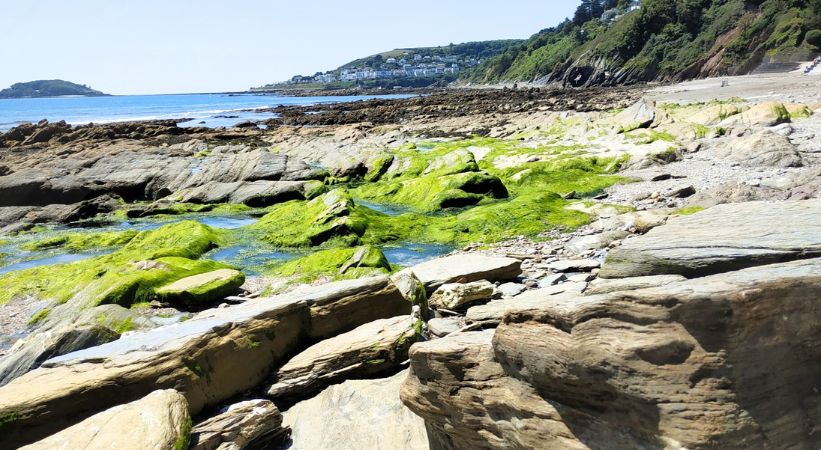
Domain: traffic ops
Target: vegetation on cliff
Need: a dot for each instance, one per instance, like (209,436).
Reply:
(610,42)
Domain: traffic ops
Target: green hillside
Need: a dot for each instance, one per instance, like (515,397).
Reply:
(660,40)
(476,50)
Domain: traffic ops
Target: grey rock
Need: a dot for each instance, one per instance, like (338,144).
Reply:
(722,238)
(157,421)
(764,148)
(511,289)
(688,364)
(552,279)
(445,326)
(210,358)
(604,285)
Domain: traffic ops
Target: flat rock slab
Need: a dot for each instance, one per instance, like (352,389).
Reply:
(496,310)
(464,268)
(722,238)
(365,351)
(158,421)
(357,414)
(607,285)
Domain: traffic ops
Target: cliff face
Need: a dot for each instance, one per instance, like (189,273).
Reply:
(48,88)
(663,41)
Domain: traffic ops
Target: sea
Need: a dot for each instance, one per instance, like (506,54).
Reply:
(207,110)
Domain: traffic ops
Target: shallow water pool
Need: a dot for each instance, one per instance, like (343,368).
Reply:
(55,259)
(412,254)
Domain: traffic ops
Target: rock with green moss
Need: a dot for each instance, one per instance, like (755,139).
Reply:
(368,350)
(335,264)
(158,421)
(129,275)
(202,289)
(81,241)
(212,357)
(413,290)
(765,114)
(305,224)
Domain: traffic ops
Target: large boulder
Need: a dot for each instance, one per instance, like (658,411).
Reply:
(464,268)
(355,415)
(204,288)
(368,350)
(248,424)
(211,358)
(764,148)
(160,421)
(725,361)
(640,115)
(722,238)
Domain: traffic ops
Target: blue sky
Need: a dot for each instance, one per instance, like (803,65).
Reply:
(167,46)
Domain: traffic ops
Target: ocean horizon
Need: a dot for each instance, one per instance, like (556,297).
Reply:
(207,110)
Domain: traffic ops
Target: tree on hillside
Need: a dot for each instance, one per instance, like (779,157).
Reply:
(587,11)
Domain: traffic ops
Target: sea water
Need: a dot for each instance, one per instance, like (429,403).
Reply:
(208,110)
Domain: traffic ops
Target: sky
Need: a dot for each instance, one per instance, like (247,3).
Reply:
(179,46)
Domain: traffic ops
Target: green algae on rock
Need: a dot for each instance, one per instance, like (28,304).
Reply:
(306,224)
(202,288)
(129,275)
(336,264)
(80,241)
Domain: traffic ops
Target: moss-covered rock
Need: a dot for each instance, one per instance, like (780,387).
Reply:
(325,219)
(335,264)
(129,275)
(81,241)
(204,288)
(432,192)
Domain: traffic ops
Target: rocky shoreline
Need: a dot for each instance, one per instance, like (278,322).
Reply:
(617,271)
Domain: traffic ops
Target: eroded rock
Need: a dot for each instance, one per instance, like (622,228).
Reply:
(158,421)
(684,365)
(248,424)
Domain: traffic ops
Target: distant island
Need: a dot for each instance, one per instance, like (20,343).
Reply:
(48,88)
